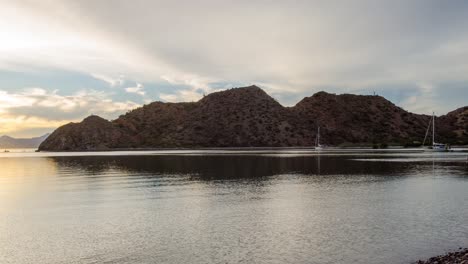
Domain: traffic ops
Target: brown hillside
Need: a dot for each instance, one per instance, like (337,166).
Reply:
(248,117)
(359,118)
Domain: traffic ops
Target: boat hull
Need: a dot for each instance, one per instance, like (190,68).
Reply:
(438,148)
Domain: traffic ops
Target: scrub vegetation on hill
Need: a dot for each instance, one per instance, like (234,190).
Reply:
(249,117)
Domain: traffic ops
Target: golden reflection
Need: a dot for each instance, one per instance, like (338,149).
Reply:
(20,177)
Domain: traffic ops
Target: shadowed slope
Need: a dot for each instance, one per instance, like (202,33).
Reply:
(248,117)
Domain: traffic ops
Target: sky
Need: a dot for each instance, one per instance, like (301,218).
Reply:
(63,60)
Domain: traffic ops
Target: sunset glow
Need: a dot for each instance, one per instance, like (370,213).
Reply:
(80,52)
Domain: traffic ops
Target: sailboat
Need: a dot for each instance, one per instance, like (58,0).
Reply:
(317,141)
(435,146)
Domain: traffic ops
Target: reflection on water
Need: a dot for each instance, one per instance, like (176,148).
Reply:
(226,208)
(231,167)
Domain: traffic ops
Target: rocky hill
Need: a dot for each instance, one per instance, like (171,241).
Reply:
(7,142)
(248,117)
(358,118)
(453,125)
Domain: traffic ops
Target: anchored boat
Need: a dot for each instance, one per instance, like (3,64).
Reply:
(435,146)
(317,141)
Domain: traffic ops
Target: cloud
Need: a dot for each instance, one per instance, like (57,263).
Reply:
(190,80)
(348,45)
(138,89)
(47,35)
(422,99)
(189,95)
(120,80)
(12,124)
(35,98)
(195,88)
(292,48)
(232,41)
(13,100)
(39,108)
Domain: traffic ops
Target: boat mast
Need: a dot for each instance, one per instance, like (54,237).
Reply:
(317,143)
(433,128)
(427,131)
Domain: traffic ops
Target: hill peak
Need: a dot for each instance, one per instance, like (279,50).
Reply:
(247,93)
(94,118)
(323,97)
(323,93)
(251,87)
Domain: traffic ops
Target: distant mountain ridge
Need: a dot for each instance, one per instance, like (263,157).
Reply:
(7,142)
(249,117)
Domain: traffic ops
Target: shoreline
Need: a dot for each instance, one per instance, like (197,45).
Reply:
(390,148)
(454,257)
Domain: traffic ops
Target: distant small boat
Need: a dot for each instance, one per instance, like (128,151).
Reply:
(436,147)
(317,141)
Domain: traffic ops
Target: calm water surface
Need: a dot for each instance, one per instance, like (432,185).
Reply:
(231,206)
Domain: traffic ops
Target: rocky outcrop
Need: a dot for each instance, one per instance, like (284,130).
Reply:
(248,117)
(93,133)
(359,118)
(453,125)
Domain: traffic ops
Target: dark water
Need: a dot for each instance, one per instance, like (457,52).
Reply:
(232,207)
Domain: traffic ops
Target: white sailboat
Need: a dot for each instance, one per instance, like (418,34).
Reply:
(435,146)
(317,141)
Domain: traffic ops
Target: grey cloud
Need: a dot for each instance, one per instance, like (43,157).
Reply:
(292,46)
(56,107)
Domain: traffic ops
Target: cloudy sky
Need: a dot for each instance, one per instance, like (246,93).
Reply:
(63,60)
